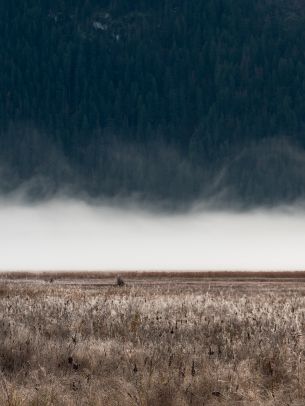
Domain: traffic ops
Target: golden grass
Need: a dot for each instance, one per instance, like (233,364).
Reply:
(171,343)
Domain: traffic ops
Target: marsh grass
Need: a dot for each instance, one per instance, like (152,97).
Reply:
(152,344)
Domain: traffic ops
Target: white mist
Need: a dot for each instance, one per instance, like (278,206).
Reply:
(71,235)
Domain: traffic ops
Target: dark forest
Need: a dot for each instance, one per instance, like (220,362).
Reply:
(171,100)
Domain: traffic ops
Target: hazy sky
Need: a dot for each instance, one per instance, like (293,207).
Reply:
(71,235)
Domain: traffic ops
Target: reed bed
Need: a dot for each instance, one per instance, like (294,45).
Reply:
(151,344)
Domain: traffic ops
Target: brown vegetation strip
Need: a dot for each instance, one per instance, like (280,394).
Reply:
(218,343)
(214,275)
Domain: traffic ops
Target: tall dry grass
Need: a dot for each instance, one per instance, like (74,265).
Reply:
(150,345)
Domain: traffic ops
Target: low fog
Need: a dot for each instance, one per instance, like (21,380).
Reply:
(73,235)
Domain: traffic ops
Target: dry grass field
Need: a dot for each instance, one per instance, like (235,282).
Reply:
(154,341)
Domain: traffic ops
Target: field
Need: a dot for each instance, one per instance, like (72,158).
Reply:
(193,339)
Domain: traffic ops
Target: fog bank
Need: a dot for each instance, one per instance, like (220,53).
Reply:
(72,235)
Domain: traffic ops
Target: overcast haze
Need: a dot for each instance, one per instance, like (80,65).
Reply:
(72,235)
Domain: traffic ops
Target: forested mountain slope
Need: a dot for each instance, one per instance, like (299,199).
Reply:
(166,99)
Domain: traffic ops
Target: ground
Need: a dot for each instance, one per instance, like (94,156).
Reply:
(80,339)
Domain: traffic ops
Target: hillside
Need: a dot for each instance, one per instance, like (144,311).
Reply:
(162,99)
